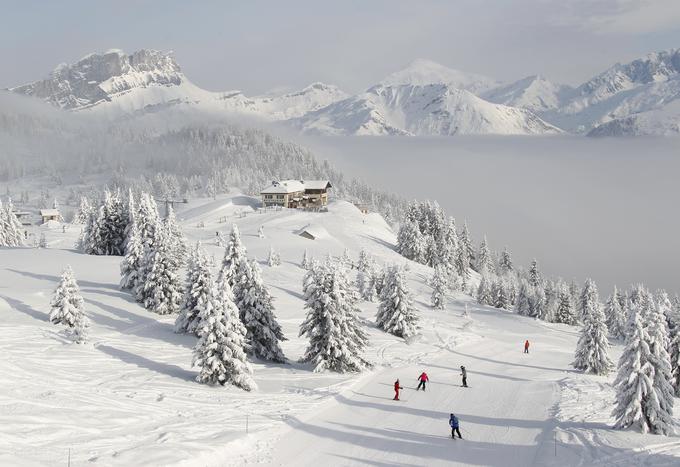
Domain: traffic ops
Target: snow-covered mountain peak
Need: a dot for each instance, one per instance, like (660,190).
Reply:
(535,93)
(422,71)
(96,77)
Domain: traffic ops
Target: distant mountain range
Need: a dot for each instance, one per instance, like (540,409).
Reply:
(638,98)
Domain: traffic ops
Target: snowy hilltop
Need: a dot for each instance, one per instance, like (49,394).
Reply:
(424,98)
(189,378)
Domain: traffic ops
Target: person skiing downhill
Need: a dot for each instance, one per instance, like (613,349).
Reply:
(463,373)
(526,346)
(423,379)
(397,387)
(455,426)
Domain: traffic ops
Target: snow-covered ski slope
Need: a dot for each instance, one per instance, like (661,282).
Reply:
(129,396)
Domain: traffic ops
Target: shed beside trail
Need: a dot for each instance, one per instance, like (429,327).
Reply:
(312,232)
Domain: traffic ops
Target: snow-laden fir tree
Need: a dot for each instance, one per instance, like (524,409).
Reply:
(11,231)
(234,253)
(256,309)
(662,421)
(84,210)
(273,259)
(66,306)
(505,265)
(674,352)
(198,290)
(440,285)
(466,244)
(179,242)
(588,296)
(643,399)
(219,352)
(345,259)
(336,339)
(148,221)
(305,261)
(522,301)
(564,312)
(616,320)
(410,242)
(634,381)
(260,231)
(592,350)
(462,265)
(368,282)
(364,262)
(132,262)
(484,294)
(396,313)
(110,226)
(161,290)
(484,260)
(534,276)
(500,294)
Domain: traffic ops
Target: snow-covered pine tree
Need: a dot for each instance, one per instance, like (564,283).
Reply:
(484,260)
(449,250)
(273,259)
(674,352)
(305,261)
(522,305)
(661,411)
(345,259)
(484,294)
(537,304)
(564,313)
(396,313)
(466,244)
(179,241)
(161,291)
(84,210)
(534,276)
(3,225)
(410,242)
(219,352)
(198,290)
(256,309)
(233,254)
(111,226)
(588,296)
(634,380)
(368,283)
(500,294)
(132,262)
(364,262)
(616,322)
(13,231)
(440,285)
(505,265)
(260,231)
(66,306)
(592,350)
(336,339)
(462,265)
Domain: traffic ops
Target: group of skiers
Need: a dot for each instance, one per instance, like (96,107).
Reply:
(454,423)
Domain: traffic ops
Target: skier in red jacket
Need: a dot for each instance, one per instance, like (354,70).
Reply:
(423,379)
(397,387)
(526,346)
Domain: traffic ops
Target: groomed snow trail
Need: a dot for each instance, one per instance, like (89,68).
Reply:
(505,414)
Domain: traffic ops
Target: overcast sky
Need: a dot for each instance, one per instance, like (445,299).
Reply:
(258,46)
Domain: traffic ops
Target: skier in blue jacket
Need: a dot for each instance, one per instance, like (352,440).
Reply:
(455,427)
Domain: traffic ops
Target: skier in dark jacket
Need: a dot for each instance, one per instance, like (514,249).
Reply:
(455,426)
(423,379)
(397,387)
(463,373)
